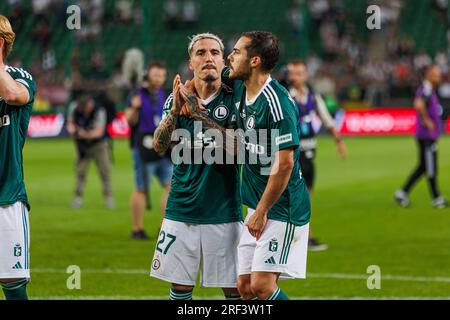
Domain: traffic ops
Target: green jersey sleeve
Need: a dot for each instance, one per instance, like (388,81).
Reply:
(287,135)
(24,78)
(167,106)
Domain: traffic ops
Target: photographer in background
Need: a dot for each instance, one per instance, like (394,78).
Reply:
(143,116)
(86,123)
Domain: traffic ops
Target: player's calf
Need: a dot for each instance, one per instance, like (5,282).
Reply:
(14,289)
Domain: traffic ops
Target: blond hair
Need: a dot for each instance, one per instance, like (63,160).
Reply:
(202,36)
(7,33)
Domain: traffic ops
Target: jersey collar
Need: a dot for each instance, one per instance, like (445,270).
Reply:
(210,98)
(247,102)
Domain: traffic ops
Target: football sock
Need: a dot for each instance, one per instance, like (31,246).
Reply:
(16,290)
(278,295)
(180,295)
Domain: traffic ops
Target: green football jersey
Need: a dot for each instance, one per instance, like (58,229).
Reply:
(271,118)
(13,130)
(204,192)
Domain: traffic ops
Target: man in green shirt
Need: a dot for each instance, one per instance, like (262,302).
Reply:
(274,241)
(17,89)
(203,218)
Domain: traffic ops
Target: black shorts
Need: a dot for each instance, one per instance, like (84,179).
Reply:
(308,167)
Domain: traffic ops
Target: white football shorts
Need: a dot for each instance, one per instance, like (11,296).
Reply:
(183,249)
(14,242)
(282,248)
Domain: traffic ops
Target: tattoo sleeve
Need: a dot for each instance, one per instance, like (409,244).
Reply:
(230,140)
(163,134)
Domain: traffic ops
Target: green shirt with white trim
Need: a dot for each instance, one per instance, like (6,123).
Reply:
(272,118)
(14,122)
(204,193)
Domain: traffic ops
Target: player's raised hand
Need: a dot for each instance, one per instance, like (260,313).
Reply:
(257,223)
(192,101)
(177,99)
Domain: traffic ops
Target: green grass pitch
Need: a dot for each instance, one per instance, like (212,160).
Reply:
(353,212)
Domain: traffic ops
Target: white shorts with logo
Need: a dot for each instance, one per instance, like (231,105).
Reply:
(14,242)
(183,249)
(282,248)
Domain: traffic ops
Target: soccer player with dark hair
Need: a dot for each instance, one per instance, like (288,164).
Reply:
(274,241)
(310,105)
(429,128)
(17,90)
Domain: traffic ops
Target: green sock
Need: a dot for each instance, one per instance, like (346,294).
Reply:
(16,290)
(180,295)
(278,295)
(233,297)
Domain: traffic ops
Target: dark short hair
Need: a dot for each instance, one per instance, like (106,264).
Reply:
(297,62)
(157,64)
(264,45)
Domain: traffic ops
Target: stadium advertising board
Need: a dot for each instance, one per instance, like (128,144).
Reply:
(398,121)
(393,121)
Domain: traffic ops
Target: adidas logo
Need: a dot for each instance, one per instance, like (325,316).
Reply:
(271,260)
(17,266)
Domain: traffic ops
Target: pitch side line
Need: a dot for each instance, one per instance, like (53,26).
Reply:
(309,275)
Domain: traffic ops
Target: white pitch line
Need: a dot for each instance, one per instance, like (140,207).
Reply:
(349,276)
(222,298)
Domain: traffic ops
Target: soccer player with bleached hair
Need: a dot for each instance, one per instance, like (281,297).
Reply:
(203,218)
(274,241)
(17,90)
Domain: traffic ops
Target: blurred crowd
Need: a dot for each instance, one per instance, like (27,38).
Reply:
(385,67)
(343,65)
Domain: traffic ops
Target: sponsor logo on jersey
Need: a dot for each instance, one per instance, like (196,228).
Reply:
(220,112)
(201,141)
(273,245)
(5,121)
(17,250)
(237,104)
(17,266)
(283,139)
(250,123)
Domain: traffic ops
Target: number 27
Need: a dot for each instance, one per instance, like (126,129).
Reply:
(163,235)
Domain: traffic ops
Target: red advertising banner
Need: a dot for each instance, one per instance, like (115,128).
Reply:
(119,128)
(49,125)
(398,121)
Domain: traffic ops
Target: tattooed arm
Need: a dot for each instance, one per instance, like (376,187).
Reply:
(163,134)
(230,140)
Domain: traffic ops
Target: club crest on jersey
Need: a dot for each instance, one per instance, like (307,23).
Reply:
(273,245)
(17,250)
(250,123)
(156,264)
(5,121)
(220,112)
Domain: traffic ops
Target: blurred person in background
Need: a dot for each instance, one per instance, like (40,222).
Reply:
(143,116)
(86,123)
(429,129)
(310,105)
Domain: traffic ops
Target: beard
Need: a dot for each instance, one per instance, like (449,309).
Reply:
(243,73)
(209,78)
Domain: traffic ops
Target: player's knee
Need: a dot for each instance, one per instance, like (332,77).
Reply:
(180,287)
(244,289)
